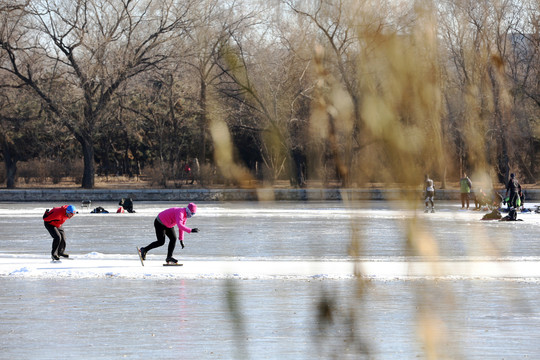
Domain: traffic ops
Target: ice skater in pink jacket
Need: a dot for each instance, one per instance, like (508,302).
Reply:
(164,225)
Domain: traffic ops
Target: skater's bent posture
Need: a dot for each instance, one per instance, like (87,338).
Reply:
(53,220)
(164,225)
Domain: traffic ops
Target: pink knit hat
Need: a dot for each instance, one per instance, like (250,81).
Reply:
(192,208)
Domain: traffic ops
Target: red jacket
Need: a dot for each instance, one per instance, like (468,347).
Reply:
(56,216)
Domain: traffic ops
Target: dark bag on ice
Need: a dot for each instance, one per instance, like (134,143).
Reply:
(494,215)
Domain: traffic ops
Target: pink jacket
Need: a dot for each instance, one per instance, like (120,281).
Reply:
(175,216)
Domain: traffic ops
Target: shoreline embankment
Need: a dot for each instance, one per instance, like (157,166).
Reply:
(261,194)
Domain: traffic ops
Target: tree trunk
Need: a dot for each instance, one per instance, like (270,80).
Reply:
(502,123)
(11,170)
(443,182)
(203,122)
(88,154)
(11,165)
(298,179)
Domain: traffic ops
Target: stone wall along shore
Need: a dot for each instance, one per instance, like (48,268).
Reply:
(263,194)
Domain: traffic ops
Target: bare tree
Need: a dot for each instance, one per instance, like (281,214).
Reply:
(333,20)
(479,36)
(523,69)
(266,80)
(86,50)
(216,22)
(156,104)
(15,114)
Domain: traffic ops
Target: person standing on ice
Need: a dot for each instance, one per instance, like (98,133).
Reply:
(513,192)
(465,186)
(53,220)
(430,193)
(164,225)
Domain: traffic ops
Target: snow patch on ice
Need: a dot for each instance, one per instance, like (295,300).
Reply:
(97,265)
(19,271)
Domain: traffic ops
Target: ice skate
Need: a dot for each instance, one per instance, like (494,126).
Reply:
(171,262)
(142,252)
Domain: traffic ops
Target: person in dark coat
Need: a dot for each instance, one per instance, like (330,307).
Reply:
(513,192)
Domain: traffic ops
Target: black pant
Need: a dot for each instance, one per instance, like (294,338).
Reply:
(59,239)
(514,196)
(161,231)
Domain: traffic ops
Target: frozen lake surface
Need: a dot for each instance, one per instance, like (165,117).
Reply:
(273,281)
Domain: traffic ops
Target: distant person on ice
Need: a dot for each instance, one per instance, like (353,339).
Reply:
(164,225)
(430,193)
(126,204)
(465,186)
(53,220)
(513,192)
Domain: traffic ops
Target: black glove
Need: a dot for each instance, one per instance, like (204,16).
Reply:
(182,243)
(195,230)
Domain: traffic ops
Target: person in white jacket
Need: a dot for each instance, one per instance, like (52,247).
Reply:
(430,193)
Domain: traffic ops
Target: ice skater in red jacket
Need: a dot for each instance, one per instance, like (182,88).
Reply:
(53,220)
(164,225)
